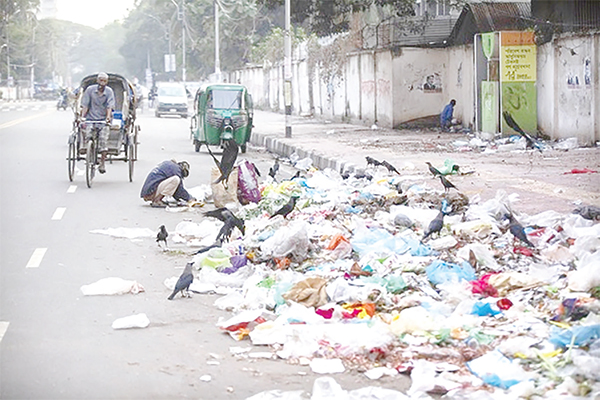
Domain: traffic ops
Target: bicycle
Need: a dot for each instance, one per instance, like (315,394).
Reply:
(91,154)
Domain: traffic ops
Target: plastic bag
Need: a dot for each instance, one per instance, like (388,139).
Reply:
(497,370)
(440,272)
(309,292)
(578,335)
(133,321)
(587,274)
(291,240)
(111,286)
(223,196)
(248,183)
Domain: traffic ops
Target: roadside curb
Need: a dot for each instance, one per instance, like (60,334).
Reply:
(284,148)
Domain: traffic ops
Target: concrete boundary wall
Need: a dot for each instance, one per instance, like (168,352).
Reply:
(389,88)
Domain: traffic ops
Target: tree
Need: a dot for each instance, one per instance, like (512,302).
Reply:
(326,17)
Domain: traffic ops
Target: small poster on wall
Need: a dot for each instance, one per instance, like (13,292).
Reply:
(432,84)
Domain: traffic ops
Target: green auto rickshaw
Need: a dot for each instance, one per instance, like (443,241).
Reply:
(222,111)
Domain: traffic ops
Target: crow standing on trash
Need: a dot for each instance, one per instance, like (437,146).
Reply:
(161,236)
(184,282)
(436,225)
(447,184)
(433,169)
(517,230)
(274,169)
(287,208)
(531,142)
(372,161)
(225,215)
(389,167)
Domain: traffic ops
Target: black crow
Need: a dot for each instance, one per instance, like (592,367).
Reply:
(517,230)
(435,226)
(230,153)
(287,208)
(273,170)
(224,214)
(447,184)
(162,235)
(372,161)
(433,169)
(389,167)
(184,282)
(531,142)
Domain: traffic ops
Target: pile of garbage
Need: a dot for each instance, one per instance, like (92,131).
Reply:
(345,282)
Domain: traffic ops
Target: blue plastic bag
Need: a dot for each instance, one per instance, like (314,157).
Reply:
(483,309)
(441,272)
(584,335)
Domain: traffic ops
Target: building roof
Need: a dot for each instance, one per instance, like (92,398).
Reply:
(491,17)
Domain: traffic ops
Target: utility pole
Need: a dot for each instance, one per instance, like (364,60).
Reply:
(287,72)
(217,49)
(181,17)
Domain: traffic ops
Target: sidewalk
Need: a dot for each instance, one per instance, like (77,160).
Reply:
(542,180)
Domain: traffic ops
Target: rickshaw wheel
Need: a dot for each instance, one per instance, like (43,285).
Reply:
(72,157)
(130,160)
(90,161)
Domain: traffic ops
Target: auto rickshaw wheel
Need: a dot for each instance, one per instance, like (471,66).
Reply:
(197,145)
(243,148)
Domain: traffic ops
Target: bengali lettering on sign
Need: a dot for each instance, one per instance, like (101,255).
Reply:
(517,56)
(518,63)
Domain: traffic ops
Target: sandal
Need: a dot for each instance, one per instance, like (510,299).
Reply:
(158,204)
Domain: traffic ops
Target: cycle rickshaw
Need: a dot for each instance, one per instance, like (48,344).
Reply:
(122,139)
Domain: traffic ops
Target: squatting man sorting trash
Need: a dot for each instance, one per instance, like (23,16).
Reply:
(446,117)
(98,103)
(166,180)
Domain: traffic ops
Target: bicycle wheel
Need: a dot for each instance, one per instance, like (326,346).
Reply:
(90,163)
(130,160)
(71,159)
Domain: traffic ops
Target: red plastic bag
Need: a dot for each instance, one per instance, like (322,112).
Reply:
(248,183)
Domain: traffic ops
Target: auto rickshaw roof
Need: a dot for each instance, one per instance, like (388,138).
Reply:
(222,86)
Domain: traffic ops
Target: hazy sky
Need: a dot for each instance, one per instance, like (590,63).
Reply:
(94,13)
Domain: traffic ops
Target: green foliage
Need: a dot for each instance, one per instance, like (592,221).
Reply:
(271,47)
(326,17)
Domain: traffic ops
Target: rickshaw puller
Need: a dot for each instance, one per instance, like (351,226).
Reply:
(98,103)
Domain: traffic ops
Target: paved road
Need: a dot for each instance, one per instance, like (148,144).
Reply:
(57,344)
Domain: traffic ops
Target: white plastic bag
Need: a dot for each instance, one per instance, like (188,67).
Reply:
(111,286)
(132,321)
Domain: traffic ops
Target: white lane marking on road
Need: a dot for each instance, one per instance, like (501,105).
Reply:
(36,257)
(18,121)
(3,328)
(58,214)
(72,189)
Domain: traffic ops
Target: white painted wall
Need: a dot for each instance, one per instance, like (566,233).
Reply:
(568,103)
(388,87)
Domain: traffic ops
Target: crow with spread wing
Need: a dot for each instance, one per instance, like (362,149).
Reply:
(229,219)
(532,143)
